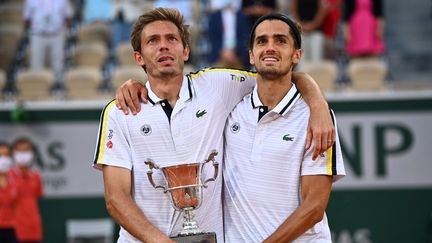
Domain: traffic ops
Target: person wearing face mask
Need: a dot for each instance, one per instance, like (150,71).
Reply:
(8,196)
(28,219)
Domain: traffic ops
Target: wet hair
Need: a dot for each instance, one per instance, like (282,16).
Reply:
(295,28)
(164,14)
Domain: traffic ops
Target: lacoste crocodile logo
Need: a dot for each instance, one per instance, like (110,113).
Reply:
(200,113)
(287,138)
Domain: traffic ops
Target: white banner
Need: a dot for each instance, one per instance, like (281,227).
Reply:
(381,150)
(386,149)
(64,156)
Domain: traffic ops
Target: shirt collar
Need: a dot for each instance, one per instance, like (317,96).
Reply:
(186,91)
(283,106)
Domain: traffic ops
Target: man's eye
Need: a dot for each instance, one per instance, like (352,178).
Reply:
(281,40)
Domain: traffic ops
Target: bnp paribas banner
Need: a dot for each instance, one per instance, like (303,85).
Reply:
(386,149)
(385,146)
(64,154)
(385,197)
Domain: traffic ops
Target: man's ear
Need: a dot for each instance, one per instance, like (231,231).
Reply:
(297,55)
(138,58)
(186,52)
(251,60)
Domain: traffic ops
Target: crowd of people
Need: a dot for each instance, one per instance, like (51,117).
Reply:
(220,30)
(20,191)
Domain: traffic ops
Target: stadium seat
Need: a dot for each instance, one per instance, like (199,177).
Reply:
(124,54)
(324,72)
(82,83)
(10,35)
(90,54)
(34,84)
(2,79)
(7,55)
(367,74)
(11,13)
(98,31)
(123,73)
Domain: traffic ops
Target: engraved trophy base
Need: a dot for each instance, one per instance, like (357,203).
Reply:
(198,238)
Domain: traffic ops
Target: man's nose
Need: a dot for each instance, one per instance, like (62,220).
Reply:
(270,47)
(164,45)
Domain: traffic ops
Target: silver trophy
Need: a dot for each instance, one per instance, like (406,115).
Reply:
(185,185)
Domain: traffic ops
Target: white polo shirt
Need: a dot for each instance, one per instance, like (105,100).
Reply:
(47,16)
(264,160)
(195,127)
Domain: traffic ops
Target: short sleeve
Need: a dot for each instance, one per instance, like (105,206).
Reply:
(112,146)
(328,163)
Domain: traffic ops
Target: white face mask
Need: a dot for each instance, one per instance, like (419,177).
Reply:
(5,163)
(23,158)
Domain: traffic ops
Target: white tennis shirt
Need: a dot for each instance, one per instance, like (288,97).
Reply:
(194,128)
(264,160)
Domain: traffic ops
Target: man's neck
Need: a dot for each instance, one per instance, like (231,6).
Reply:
(271,92)
(167,88)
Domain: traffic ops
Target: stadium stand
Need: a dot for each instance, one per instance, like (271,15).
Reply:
(367,74)
(324,72)
(90,54)
(83,83)
(34,84)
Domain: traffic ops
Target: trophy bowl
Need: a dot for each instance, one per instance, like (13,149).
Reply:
(185,185)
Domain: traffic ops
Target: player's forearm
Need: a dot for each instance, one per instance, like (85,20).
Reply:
(302,219)
(310,91)
(126,213)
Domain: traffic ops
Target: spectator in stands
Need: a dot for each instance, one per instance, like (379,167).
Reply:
(364,27)
(125,12)
(46,20)
(310,14)
(28,218)
(228,36)
(330,27)
(8,196)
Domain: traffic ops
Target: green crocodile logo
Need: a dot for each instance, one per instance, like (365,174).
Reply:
(200,113)
(287,138)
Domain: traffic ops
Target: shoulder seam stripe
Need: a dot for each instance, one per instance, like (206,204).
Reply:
(101,138)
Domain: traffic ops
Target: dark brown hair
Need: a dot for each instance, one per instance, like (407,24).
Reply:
(295,28)
(165,14)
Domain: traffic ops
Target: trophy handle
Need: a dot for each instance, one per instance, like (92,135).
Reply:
(152,166)
(211,157)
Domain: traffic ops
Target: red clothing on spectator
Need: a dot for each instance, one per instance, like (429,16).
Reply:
(330,22)
(28,219)
(8,199)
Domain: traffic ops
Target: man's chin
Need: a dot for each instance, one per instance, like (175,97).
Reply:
(268,71)
(169,71)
